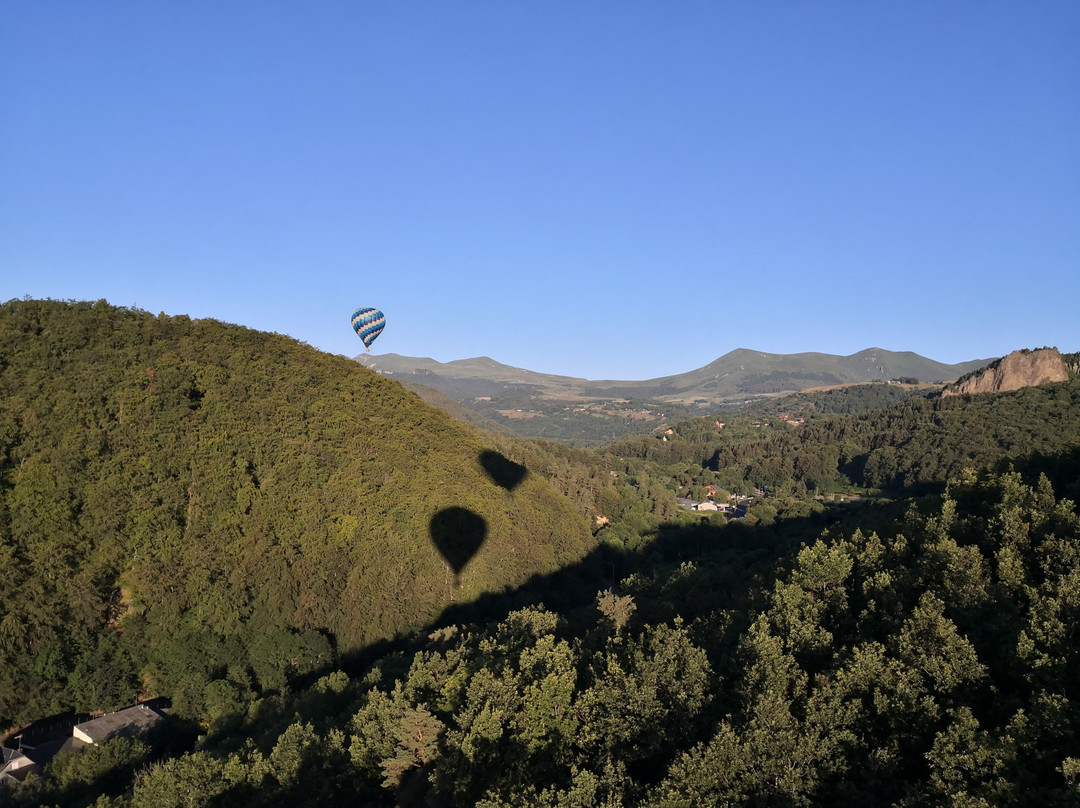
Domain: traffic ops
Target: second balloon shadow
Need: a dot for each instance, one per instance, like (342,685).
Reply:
(459,533)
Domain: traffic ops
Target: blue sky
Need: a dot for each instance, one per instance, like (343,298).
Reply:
(599,189)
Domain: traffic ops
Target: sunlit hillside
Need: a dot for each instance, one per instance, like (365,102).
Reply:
(182,498)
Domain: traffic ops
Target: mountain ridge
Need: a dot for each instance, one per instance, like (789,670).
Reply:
(583,412)
(738,373)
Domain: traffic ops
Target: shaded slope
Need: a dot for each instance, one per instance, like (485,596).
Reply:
(882,662)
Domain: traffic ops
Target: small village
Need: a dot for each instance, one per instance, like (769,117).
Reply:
(735,507)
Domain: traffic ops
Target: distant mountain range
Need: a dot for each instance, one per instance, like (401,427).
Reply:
(581,412)
(737,375)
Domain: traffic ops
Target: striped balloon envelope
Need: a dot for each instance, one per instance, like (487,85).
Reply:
(368,324)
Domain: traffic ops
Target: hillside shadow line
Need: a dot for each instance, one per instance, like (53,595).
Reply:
(729,566)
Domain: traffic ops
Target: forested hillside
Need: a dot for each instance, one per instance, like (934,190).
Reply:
(186,502)
(913,445)
(354,600)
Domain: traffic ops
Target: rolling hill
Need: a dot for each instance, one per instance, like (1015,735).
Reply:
(183,497)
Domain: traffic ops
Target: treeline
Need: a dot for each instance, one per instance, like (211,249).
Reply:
(847,400)
(929,663)
(583,423)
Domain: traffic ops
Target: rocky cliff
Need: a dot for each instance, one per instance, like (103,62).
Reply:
(1013,372)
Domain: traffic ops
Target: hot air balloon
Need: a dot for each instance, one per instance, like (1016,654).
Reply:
(368,324)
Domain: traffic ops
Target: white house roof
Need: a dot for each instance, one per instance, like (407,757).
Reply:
(123,723)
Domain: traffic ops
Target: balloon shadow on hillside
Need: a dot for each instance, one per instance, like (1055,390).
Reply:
(502,470)
(457,534)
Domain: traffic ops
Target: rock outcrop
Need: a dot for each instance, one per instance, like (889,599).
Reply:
(1017,370)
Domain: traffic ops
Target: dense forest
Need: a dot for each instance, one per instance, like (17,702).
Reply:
(910,446)
(353,599)
(227,499)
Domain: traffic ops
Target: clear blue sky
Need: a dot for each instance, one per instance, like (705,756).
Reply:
(599,189)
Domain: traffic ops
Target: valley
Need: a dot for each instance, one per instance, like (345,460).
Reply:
(348,596)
